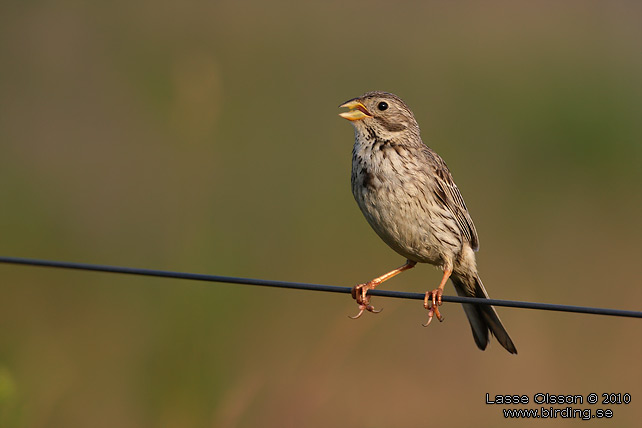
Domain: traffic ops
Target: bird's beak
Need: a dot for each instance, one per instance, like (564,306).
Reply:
(357,110)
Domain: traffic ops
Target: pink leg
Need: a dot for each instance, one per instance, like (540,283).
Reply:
(432,301)
(360,292)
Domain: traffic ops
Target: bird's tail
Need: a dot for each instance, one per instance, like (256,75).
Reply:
(482,318)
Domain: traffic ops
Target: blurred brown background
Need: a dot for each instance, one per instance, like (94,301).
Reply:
(203,137)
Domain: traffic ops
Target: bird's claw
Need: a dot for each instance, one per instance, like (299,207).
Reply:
(360,294)
(368,308)
(432,301)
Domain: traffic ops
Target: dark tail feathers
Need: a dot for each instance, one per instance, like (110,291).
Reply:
(482,318)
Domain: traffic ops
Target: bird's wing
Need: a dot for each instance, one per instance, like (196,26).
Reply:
(448,192)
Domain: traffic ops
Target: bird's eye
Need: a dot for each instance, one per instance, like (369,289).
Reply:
(382,105)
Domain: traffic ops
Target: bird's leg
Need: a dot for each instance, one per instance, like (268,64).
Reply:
(360,292)
(432,301)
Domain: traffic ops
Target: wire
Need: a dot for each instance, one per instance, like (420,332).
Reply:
(315,287)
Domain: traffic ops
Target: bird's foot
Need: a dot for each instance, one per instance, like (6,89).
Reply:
(432,301)
(360,294)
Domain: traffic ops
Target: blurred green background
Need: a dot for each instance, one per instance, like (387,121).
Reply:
(203,137)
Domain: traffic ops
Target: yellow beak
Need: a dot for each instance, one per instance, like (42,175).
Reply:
(357,111)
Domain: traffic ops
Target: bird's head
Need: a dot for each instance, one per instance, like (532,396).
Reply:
(381,113)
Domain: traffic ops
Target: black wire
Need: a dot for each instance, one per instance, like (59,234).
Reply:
(316,287)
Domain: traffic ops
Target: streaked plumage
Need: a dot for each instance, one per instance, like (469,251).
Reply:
(409,198)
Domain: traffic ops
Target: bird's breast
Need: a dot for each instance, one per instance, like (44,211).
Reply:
(394,195)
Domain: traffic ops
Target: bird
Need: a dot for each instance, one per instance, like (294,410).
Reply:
(408,196)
